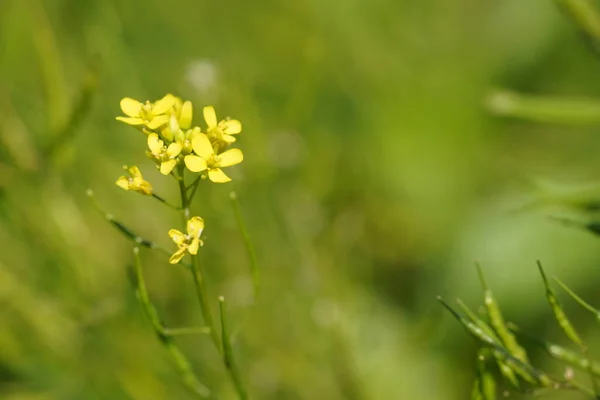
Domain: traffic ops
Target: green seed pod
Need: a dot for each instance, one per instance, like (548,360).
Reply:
(559,313)
(498,323)
(505,370)
(579,300)
(485,379)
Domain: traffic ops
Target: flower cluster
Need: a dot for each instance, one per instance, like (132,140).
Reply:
(175,144)
(173,140)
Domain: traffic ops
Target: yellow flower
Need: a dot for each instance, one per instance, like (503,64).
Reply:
(190,242)
(207,160)
(152,115)
(165,156)
(135,181)
(220,132)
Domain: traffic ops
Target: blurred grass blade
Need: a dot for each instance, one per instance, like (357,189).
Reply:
(497,320)
(248,243)
(78,113)
(228,357)
(558,311)
(585,14)
(579,300)
(49,60)
(505,370)
(551,110)
(593,227)
(184,368)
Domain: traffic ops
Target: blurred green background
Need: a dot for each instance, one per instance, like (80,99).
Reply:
(374,176)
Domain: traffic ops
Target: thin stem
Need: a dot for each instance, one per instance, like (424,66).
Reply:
(194,185)
(223,344)
(228,357)
(127,232)
(157,197)
(202,300)
(195,268)
(185,204)
(248,243)
(188,377)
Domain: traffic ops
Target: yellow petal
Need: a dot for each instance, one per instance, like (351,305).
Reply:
(177,256)
(232,126)
(185,117)
(193,247)
(145,188)
(231,157)
(202,147)
(167,134)
(195,226)
(167,166)
(131,121)
(177,236)
(210,116)
(195,163)
(173,124)
(174,149)
(155,144)
(163,105)
(228,138)
(131,107)
(134,171)
(218,176)
(123,182)
(158,121)
(190,134)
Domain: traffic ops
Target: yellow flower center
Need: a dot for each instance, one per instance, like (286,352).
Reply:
(214,161)
(146,112)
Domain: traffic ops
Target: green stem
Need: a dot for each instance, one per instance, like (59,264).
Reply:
(195,268)
(194,186)
(248,243)
(184,368)
(228,357)
(223,345)
(157,197)
(203,301)
(126,231)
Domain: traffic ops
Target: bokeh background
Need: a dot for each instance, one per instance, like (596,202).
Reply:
(376,173)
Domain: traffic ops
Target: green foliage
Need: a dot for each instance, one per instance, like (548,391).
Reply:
(373,176)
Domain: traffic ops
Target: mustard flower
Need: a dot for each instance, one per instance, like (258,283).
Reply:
(220,132)
(189,242)
(207,160)
(135,181)
(165,156)
(152,115)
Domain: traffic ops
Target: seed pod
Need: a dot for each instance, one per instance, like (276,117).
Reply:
(579,300)
(485,379)
(505,370)
(498,323)
(559,312)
